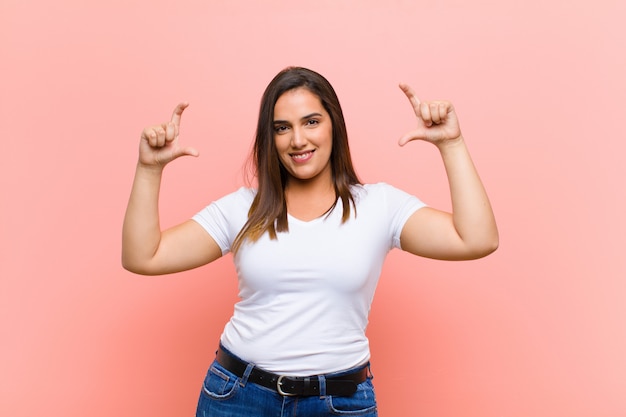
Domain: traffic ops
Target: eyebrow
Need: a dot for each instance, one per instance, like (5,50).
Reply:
(308,116)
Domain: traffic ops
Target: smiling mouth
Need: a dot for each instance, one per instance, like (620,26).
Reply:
(302,156)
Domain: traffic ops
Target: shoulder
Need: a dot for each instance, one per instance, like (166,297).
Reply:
(241,197)
(230,206)
(382,194)
(375,190)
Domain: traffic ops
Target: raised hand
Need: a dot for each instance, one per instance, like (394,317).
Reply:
(436,120)
(160,144)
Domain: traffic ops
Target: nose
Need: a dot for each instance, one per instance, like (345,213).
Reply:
(298,139)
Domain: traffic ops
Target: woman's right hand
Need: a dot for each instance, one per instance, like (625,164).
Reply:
(160,144)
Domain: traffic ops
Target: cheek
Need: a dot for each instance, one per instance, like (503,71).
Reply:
(329,140)
(280,149)
(283,160)
(282,157)
(329,135)
(322,137)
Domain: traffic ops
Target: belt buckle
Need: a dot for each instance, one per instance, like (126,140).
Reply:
(279,388)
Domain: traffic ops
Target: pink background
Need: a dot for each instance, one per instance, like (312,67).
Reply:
(537,329)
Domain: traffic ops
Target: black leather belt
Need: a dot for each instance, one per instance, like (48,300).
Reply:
(344,385)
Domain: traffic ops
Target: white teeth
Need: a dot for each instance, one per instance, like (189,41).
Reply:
(301,156)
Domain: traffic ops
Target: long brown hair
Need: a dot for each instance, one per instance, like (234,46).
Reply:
(268,212)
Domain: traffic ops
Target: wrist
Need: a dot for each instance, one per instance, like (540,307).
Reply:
(449,144)
(156,170)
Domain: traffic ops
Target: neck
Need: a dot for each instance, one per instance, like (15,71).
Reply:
(319,185)
(306,188)
(307,200)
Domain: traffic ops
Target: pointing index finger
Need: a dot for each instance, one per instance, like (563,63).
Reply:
(178,112)
(408,91)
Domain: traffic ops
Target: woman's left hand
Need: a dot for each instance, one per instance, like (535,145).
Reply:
(436,120)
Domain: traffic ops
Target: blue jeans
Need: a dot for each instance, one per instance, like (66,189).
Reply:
(224,394)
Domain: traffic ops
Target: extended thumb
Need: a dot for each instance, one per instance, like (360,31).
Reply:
(187,152)
(405,139)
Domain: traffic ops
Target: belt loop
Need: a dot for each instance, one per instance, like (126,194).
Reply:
(322,381)
(246,374)
(369,370)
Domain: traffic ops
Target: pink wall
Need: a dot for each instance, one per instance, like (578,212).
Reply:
(537,329)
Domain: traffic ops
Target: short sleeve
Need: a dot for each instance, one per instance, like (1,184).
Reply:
(224,218)
(400,205)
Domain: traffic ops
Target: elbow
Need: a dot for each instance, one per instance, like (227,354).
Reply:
(127,263)
(487,247)
(494,242)
(492,247)
(130,267)
(480,246)
(133,266)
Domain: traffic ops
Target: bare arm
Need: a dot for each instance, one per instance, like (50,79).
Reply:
(145,248)
(470,231)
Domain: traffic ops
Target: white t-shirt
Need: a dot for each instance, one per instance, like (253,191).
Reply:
(306,296)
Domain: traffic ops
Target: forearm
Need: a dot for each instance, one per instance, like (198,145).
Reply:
(141,232)
(471,211)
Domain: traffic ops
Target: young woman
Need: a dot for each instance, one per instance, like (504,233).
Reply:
(308,242)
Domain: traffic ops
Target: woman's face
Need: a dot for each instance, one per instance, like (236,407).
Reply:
(303,135)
